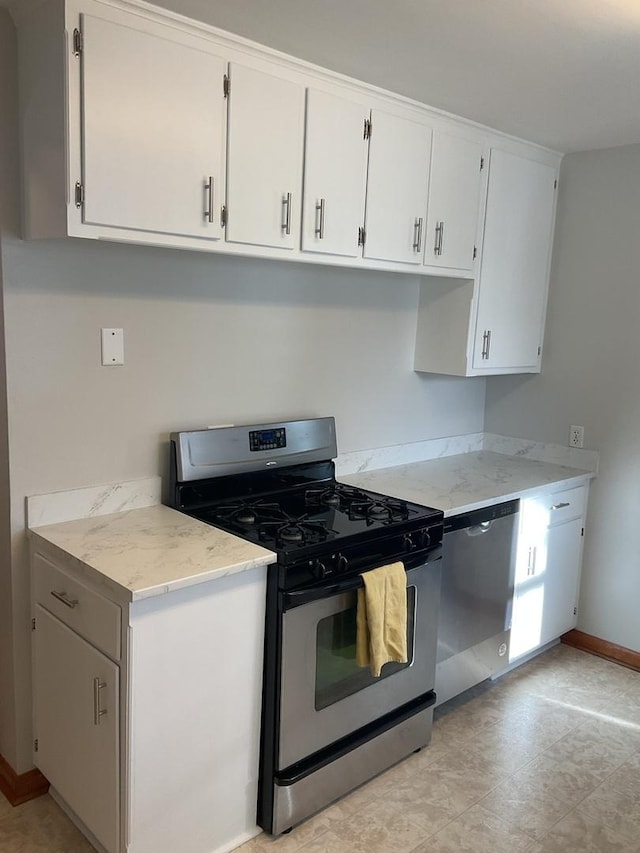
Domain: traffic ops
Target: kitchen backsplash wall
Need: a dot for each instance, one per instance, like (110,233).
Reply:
(208,340)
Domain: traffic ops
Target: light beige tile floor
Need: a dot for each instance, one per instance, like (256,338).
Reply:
(544,760)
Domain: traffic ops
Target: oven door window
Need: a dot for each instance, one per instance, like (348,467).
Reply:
(337,673)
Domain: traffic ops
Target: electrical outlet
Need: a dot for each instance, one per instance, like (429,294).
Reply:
(576,436)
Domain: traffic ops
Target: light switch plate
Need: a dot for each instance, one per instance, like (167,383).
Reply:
(112,346)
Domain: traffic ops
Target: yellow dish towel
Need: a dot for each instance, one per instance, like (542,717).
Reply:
(381,618)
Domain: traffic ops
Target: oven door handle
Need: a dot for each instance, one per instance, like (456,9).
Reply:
(317,593)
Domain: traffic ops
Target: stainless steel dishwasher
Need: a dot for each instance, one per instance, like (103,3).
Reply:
(474,624)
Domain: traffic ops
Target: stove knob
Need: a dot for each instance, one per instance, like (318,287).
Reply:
(407,541)
(321,571)
(420,539)
(342,564)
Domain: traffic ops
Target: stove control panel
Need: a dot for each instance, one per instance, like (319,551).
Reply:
(267,439)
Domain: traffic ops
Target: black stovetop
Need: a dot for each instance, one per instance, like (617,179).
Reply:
(299,509)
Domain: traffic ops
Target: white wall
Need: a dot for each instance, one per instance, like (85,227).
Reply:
(591,375)
(208,339)
(8,224)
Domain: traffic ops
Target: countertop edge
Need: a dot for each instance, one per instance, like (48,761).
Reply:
(123,594)
(569,482)
(383,480)
(204,577)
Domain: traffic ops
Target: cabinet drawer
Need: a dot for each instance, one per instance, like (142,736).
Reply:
(89,614)
(565,505)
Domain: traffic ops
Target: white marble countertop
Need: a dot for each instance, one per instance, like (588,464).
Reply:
(141,553)
(467,481)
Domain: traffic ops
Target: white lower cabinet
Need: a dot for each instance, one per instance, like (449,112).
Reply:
(77,724)
(157,750)
(547,568)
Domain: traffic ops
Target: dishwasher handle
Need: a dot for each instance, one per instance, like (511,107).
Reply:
(479,529)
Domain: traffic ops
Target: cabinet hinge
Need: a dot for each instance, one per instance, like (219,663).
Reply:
(33,624)
(539,350)
(223,215)
(226,85)
(575,611)
(367,128)
(555,184)
(362,236)
(475,252)
(77,42)
(582,532)
(481,163)
(79,196)
(35,745)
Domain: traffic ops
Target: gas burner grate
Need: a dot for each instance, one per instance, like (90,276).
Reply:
(337,495)
(298,531)
(249,513)
(374,510)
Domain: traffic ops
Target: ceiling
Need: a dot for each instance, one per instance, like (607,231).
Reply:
(563,73)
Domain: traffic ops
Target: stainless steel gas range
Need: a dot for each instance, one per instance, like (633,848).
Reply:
(328,725)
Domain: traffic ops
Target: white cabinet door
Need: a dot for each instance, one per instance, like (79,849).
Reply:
(454,193)
(549,558)
(564,553)
(153,135)
(515,263)
(264,160)
(76,725)
(397,185)
(335,175)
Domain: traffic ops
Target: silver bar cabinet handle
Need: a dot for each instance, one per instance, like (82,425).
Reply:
(561,505)
(319,232)
(98,712)
(64,598)
(286,210)
(486,343)
(208,214)
(417,235)
(529,561)
(437,249)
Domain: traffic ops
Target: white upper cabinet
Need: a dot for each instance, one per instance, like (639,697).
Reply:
(264,162)
(495,323)
(139,125)
(515,263)
(335,174)
(454,194)
(397,186)
(153,128)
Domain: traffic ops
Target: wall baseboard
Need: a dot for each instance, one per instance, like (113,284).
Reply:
(20,788)
(602,648)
